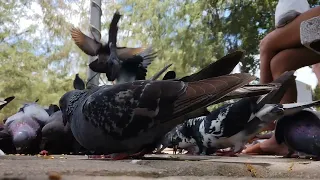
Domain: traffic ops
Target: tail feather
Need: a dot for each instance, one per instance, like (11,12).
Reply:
(293,108)
(207,92)
(223,66)
(249,91)
(158,74)
(6,101)
(275,96)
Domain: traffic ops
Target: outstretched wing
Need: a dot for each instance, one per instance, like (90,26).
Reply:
(139,63)
(113,29)
(126,53)
(84,42)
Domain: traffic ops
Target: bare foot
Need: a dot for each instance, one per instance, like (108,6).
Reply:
(267,147)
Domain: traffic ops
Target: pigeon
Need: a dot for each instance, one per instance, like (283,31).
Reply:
(78,83)
(201,135)
(111,59)
(35,111)
(25,127)
(224,66)
(25,133)
(158,74)
(6,144)
(6,101)
(52,109)
(57,138)
(128,119)
(300,132)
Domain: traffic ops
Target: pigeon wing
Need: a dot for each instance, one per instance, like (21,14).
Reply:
(158,74)
(128,109)
(85,43)
(7,101)
(140,63)
(126,53)
(113,29)
(223,66)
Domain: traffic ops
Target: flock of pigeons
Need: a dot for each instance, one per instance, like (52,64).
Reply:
(136,116)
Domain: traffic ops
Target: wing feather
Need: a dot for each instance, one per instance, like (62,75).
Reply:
(84,42)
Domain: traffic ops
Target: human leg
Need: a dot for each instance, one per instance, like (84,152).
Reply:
(280,39)
(290,59)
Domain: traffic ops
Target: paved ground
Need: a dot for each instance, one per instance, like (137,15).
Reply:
(157,166)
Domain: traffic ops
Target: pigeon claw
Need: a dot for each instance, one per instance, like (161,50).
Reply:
(44,153)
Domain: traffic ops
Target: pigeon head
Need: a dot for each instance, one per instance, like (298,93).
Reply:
(171,139)
(24,132)
(69,102)
(22,140)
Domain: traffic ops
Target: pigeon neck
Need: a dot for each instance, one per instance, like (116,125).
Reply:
(125,77)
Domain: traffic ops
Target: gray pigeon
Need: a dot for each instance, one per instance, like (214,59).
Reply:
(52,109)
(25,127)
(113,60)
(300,132)
(78,83)
(129,119)
(25,133)
(203,134)
(57,138)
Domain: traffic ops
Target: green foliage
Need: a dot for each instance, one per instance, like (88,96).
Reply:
(27,53)
(316,95)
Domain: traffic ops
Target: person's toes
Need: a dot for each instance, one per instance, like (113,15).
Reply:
(254,150)
(267,147)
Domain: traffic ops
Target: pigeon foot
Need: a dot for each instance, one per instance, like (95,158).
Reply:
(230,153)
(99,156)
(44,152)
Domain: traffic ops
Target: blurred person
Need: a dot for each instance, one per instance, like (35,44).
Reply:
(281,50)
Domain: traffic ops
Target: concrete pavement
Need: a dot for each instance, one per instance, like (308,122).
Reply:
(164,167)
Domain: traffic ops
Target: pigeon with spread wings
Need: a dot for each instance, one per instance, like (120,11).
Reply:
(111,58)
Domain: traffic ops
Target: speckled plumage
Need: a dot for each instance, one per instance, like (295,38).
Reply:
(213,131)
(130,116)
